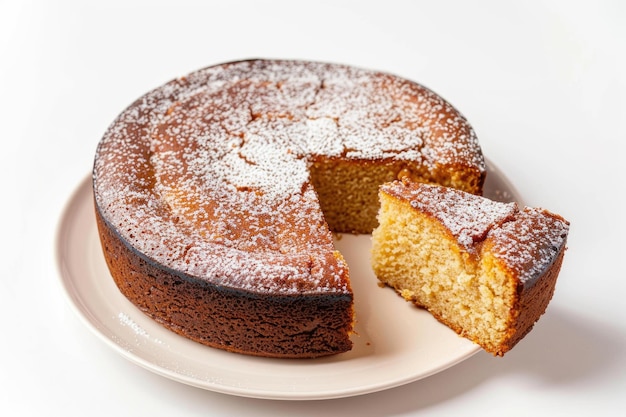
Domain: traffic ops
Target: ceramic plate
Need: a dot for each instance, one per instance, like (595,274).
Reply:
(395,342)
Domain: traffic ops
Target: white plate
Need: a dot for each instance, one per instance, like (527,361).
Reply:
(395,343)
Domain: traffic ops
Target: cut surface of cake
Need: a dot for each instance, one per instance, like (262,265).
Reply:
(486,269)
(217,193)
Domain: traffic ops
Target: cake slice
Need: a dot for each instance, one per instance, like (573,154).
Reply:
(486,269)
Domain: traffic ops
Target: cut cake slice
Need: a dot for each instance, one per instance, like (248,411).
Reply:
(486,269)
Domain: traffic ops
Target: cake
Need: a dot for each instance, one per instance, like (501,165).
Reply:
(218,193)
(486,269)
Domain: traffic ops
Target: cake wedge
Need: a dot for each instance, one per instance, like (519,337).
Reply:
(485,269)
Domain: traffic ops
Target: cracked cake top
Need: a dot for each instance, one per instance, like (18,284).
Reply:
(216,164)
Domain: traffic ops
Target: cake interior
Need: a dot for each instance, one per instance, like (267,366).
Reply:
(348,190)
(414,254)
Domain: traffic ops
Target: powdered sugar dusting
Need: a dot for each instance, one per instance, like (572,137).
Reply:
(527,240)
(468,217)
(531,243)
(209,174)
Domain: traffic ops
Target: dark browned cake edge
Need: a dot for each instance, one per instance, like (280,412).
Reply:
(532,303)
(285,326)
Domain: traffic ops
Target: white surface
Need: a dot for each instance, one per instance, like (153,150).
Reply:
(543,83)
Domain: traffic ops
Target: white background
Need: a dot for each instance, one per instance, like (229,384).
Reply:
(543,83)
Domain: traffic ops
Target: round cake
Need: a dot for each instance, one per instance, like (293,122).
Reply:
(217,195)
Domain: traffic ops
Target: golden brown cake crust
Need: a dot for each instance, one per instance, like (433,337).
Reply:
(532,302)
(211,177)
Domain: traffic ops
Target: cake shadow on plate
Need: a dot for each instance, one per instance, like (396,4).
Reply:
(564,348)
